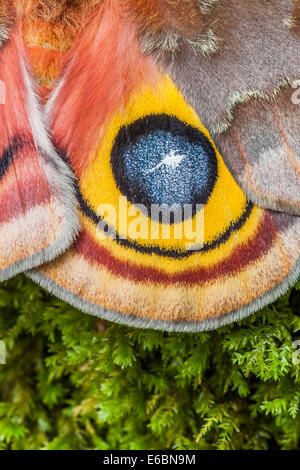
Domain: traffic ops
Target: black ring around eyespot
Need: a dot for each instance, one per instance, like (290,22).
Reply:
(8,154)
(150,250)
(167,253)
(128,135)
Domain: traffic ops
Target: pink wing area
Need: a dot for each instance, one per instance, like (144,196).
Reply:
(38,218)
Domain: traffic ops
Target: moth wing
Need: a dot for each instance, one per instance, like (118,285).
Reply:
(240,76)
(38,219)
(262,146)
(131,135)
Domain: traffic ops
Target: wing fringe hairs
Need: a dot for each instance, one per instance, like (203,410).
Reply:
(38,215)
(248,261)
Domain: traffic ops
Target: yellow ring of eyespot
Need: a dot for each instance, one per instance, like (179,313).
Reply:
(226,203)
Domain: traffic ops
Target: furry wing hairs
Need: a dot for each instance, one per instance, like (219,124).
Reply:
(38,219)
(170,85)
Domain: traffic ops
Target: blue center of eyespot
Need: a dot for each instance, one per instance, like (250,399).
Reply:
(167,168)
(161,160)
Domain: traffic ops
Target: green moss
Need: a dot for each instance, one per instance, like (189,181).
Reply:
(72,381)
